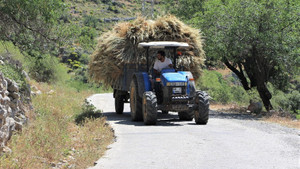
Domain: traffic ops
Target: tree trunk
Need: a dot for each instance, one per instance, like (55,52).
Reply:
(260,77)
(265,96)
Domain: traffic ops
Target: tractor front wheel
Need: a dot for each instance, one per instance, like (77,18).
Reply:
(202,111)
(149,108)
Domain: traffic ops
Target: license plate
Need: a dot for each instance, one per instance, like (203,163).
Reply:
(176,90)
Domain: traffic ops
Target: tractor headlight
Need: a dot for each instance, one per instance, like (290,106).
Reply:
(176,83)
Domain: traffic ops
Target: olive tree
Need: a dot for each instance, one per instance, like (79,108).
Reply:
(30,24)
(257,39)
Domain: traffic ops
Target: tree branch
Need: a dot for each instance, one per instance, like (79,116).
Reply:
(29,28)
(240,74)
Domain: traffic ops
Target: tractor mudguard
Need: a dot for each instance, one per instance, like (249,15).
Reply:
(143,83)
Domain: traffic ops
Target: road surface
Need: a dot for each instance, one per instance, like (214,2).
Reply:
(231,141)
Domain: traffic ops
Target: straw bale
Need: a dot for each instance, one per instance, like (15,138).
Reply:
(120,46)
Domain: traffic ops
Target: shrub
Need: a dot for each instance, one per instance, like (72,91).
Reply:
(90,21)
(287,102)
(88,112)
(216,86)
(44,68)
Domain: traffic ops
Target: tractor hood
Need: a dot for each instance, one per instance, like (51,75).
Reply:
(173,79)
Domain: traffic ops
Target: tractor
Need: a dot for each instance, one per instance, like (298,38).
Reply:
(174,90)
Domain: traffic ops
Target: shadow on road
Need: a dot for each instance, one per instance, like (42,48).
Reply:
(125,118)
(172,119)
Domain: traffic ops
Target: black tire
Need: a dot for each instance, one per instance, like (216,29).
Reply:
(119,103)
(135,102)
(149,108)
(164,112)
(186,115)
(202,101)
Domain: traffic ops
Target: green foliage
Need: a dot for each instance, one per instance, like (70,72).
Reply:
(44,68)
(76,58)
(8,49)
(13,73)
(184,8)
(258,40)
(221,89)
(287,101)
(87,38)
(90,21)
(236,29)
(29,24)
(11,70)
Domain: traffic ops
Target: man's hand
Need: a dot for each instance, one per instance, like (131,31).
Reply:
(157,73)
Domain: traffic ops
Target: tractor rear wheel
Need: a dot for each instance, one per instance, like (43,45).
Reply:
(119,104)
(202,111)
(149,108)
(135,102)
(186,115)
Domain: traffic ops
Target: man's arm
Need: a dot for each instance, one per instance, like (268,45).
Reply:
(170,63)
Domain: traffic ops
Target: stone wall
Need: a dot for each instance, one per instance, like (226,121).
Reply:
(12,110)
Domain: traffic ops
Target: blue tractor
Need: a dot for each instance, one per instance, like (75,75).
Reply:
(174,90)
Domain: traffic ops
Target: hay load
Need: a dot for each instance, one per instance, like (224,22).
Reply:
(120,46)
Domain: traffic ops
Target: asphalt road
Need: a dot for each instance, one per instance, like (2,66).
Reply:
(228,141)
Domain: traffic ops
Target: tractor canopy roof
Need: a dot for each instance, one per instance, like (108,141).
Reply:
(163,44)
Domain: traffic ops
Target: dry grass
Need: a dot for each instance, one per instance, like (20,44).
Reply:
(52,139)
(288,122)
(275,118)
(120,46)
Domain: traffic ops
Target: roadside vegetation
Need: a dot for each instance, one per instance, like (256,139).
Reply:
(63,129)
(54,39)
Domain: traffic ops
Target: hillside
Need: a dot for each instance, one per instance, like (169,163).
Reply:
(102,14)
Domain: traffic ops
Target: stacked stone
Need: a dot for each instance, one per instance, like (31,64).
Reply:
(11,110)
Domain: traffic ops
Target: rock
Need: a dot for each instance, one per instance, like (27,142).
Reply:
(1,62)
(50,92)
(255,107)
(26,75)
(13,87)
(9,109)
(36,93)
(14,95)
(3,113)
(18,126)
(12,109)
(7,150)
(34,88)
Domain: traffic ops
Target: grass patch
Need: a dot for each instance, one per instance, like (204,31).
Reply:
(52,138)
(88,112)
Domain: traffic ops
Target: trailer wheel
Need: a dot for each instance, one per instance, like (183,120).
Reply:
(119,103)
(202,101)
(186,115)
(149,108)
(135,102)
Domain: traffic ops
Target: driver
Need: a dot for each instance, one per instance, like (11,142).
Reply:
(161,62)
